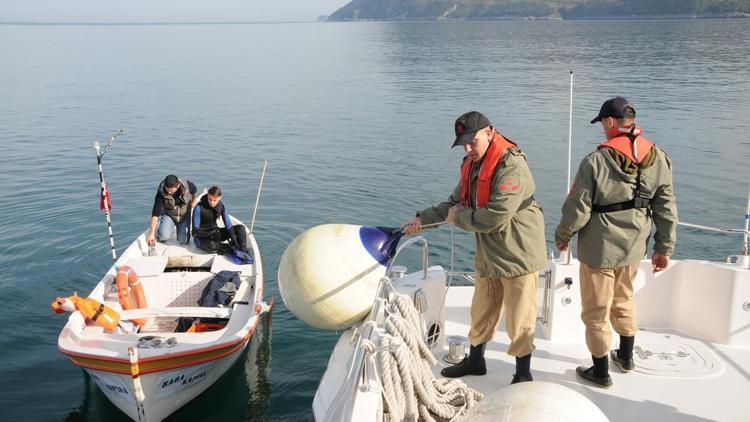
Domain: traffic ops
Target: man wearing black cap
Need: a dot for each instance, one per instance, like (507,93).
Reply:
(620,189)
(494,199)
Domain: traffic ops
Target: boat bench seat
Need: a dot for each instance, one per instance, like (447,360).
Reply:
(176,312)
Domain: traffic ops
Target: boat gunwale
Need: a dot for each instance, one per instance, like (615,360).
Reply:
(154,360)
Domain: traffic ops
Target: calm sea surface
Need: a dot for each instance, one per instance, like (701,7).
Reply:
(356,122)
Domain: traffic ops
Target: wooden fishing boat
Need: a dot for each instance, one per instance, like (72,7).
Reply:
(152,371)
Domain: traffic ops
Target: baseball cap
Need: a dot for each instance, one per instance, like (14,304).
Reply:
(617,107)
(467,125)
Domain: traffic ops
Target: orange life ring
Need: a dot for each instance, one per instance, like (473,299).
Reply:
(127,282)
(91,309)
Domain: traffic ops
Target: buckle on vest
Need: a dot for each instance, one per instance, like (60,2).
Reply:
(641,202)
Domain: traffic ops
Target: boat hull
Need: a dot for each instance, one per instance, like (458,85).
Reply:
(165,391)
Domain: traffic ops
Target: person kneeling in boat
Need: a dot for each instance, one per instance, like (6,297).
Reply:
(171,212)
(495,200)
(620,190)
(207,235)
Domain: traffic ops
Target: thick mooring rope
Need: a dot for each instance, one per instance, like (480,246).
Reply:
(410,391)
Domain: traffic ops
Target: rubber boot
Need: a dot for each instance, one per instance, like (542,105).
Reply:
(597,374)
(239,238)
(623,356)
(523,370)
(472,365)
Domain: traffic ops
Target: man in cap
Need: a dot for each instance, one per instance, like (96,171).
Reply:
(619,190)
(494,199)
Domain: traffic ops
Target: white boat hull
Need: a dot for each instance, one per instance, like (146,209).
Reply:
(164,392)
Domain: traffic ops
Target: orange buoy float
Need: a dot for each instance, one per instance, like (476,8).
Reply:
(127,282)
(91,309)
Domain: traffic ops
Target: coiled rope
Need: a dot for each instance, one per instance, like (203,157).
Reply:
(410,391)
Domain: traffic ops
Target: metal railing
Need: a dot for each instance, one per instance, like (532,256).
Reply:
(425,253)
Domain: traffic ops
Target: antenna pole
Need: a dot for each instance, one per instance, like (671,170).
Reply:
(570,132)
(104,193)
(257,197)
(566,255)
(746,242)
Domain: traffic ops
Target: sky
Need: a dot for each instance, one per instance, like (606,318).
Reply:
(99,11)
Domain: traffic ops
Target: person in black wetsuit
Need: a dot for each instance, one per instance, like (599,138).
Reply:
(207,235)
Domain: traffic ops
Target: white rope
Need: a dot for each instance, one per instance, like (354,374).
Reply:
(410,391)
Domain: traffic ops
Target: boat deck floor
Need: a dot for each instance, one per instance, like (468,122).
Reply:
(717,390)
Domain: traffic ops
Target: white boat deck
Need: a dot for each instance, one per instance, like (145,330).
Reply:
(717,390)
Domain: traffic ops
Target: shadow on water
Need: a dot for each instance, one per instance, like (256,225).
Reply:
(95,406)
(243,393)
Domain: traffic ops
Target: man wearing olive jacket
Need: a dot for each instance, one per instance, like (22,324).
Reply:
(494,199)
(619,190)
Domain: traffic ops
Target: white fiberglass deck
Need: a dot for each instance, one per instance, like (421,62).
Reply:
(718,393)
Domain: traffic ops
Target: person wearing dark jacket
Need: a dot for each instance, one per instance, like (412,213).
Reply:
(173,202)
(207,235)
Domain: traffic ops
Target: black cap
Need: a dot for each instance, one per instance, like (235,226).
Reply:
(617,107)
(467,125)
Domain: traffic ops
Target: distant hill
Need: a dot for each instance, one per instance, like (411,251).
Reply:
(399,10)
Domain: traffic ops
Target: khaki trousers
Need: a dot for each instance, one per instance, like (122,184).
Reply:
(607,297)
(494,295)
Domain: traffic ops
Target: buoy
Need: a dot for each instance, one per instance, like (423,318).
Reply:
(91,309)
(329,274)
(535,401)
(127,282)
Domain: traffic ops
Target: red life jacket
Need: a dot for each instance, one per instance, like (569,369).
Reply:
(492,158)
(636,150)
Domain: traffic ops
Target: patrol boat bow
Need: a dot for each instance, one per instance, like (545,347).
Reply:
(692,350)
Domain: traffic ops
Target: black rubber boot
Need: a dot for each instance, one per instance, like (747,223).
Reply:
(472,365)
(623,356)
(523,370)
(597,374)
(239,238)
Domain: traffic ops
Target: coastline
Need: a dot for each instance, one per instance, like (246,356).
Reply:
(555,18)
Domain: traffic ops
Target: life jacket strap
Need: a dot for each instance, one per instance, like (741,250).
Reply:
(638,201)
(98,312)
(526,203)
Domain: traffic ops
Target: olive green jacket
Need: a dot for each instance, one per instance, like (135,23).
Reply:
(510,241)
(620,238)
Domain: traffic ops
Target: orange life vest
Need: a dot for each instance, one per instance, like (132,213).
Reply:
(630,143)
(127,281)
(91,309)
(636,150)
(492,158)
